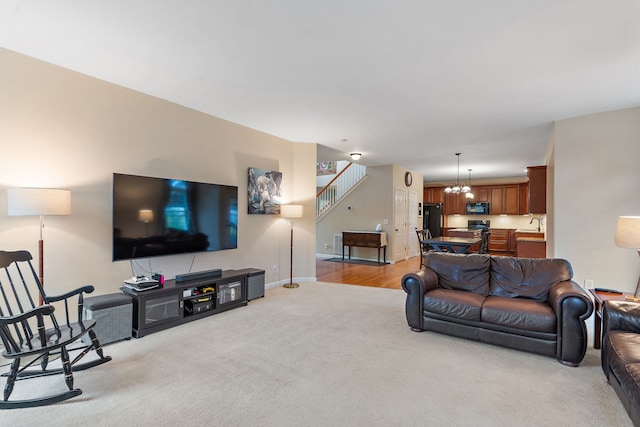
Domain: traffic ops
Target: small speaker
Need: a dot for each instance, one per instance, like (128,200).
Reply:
(217,272)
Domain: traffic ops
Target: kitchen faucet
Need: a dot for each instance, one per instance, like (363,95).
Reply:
(539,221)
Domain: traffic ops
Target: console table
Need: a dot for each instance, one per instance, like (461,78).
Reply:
(181,302)
(365,239)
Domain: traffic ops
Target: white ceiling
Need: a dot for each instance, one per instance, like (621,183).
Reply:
(405,82)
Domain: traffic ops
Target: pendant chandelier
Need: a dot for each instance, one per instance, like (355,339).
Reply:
(469,194)
(456,189)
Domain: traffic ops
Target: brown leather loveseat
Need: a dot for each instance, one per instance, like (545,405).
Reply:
(522,303)
(621,353)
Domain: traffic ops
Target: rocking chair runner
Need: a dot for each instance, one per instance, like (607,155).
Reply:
(32,334)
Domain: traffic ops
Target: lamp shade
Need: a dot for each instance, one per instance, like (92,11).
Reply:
(38,201)
(145,215)
(628,232)
(291,211)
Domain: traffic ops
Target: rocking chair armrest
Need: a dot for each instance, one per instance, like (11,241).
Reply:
(43,310)
(87,289)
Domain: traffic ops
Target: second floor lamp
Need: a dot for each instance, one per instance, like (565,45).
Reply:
(291,212)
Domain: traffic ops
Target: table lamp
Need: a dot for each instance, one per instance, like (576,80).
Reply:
(41,202)
(628,236)
(291,212)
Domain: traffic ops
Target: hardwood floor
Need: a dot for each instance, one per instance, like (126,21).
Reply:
(386,276)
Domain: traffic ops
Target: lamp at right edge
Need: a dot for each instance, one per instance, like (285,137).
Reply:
(628,236)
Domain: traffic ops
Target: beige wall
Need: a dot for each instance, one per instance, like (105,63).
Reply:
(371,204)
(596,178)
(62,129)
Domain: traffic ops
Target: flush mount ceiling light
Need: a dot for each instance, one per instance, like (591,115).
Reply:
(355,156)
(456,189)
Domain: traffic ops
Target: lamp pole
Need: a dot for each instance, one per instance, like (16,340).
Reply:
(290,212)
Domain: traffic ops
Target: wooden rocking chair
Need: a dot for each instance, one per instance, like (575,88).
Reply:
(32,334)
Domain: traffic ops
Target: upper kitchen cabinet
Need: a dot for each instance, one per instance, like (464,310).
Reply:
(537,189)
(524,198)
(455,204)
(480,194)
(505,200)
(433,195)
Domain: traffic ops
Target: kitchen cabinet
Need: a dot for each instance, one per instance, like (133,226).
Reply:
(502,241)
(495,206)
(537,189)
(523,201)
(433,195)
(530,244)
(455,204)
(505,200)
(530,248)
(480,194)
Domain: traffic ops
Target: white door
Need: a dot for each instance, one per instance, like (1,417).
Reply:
(412,223)
(400,245)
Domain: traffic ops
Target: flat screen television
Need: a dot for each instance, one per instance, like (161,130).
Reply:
(160,216)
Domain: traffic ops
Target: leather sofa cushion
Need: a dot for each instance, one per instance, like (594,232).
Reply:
(625,348)
(523,314)
(526,277)
(631,384)
(461,272)
(456,304)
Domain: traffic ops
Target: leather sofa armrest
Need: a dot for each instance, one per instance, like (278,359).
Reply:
(566,289)
(417,284)
(572,306)
(620,315)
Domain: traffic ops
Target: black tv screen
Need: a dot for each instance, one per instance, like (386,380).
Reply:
(159,216)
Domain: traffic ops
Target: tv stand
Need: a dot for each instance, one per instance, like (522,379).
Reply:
(180,302)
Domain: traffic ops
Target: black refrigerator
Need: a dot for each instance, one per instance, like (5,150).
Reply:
(432,218)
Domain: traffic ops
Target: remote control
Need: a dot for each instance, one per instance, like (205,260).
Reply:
(611,291)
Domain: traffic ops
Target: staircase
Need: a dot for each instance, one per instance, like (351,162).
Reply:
(343,183)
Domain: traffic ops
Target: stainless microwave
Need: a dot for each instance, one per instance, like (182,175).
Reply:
(477,208)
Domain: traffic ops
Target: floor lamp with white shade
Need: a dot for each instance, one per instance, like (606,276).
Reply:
(628,236)
(291,212)
(40,202)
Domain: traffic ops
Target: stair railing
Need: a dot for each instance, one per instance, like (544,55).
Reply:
(338,187)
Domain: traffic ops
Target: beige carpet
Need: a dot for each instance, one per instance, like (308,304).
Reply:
(323,355)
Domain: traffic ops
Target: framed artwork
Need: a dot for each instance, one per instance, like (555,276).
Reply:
(326,168)
(264,192)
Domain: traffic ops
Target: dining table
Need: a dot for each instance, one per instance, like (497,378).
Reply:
(456,245)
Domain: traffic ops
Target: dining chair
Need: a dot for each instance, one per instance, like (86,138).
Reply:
(423,235)
(484,242)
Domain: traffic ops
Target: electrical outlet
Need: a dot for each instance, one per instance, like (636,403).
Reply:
(274,269)
(588,284)
(326,246)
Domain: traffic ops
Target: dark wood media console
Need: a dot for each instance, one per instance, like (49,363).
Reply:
(177,303)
